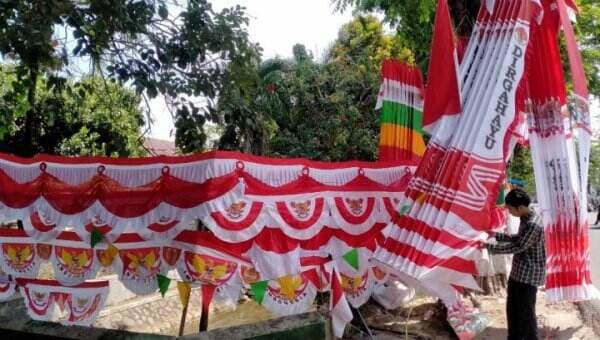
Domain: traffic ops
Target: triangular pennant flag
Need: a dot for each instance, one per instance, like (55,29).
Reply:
(96,238)
(258,290)
(163,284)
(352,258)
(107,256)
(112,250)
(421,198)
(404,210)
(500,198)
(184,289)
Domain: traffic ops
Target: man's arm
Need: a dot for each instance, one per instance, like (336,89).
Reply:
(501,237)
(518,243)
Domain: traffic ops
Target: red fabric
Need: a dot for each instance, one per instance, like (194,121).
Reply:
(119,200)
(443,94)
(212,155)
(306,184)
(461,47)
(402,72)
(225,223)
(575,62)
(423,259)
(472,198)
(387,153)
(434,234)
(208,291)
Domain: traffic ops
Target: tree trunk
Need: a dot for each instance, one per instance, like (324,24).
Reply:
(30,142)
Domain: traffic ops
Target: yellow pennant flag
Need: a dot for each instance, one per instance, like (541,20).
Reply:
(421,199)
(184,289)
(108,256)
(112,250)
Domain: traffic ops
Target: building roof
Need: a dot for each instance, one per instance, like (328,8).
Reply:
(160,147)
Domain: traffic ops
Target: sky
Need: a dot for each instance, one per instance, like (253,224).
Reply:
(276,25)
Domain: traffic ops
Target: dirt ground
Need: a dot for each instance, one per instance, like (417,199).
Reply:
(424,319)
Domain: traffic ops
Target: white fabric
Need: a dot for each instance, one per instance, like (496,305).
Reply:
(393,294)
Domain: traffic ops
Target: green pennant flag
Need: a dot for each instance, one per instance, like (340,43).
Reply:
(258,290)
(404,210)
(163,284)
(352,258)
(500,198)
(96,238)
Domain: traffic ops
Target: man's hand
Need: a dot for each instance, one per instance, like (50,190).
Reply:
(481,245)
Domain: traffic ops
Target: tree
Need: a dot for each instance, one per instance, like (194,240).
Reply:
(153,46)
(88,117)
(521,167)
(594,174)
(304,108)
(413,20)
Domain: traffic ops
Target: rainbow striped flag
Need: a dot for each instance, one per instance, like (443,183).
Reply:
(401,102)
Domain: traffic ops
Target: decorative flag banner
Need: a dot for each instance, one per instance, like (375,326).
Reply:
(356,282)
(7,286)
(48,300)
(560,147)
(401,102)
(289,295)
(282,226)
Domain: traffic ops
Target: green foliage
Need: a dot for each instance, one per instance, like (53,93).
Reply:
(304,108)
(413,20)
(88,117)
(588,35)
(521,167)
(594,174)
(154,46)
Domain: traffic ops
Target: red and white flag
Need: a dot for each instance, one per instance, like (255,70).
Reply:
(442,98)
(341,313)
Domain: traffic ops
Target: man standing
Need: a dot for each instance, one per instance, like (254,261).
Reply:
(528,266)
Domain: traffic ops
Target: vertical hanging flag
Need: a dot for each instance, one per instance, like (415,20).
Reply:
(352,258)
(442,104)
(401,103)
